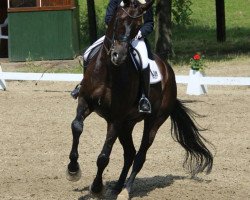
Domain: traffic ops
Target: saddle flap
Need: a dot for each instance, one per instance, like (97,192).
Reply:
(155,74)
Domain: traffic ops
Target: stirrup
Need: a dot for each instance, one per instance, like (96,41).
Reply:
(75,92)
(144,105)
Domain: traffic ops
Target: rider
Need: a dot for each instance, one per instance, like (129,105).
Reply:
(139,44)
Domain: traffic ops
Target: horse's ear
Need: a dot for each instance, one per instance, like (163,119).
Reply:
(146,5)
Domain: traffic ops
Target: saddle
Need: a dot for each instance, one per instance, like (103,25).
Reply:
(155,75)
(92,53)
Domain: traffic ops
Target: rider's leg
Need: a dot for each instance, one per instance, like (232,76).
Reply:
(76,91)
(144,104)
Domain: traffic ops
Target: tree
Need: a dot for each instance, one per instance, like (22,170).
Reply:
(220,20)
(92,21)
(163,29)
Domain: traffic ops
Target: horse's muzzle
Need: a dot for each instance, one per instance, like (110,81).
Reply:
(114,57)
(119,52)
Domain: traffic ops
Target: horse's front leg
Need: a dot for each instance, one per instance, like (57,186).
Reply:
(73,171)
(151,127)
(126,140)
(103,158)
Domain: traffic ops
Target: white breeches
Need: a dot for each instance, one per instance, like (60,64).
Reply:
(139,45)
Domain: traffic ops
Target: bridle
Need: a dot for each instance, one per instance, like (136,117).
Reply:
(120,38)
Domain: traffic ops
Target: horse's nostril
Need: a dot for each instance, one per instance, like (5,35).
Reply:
(115,58)
(115,55)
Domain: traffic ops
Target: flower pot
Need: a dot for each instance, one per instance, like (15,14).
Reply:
(194,87)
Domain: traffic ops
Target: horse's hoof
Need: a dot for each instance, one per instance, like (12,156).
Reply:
(117,189)
(74,176)
(110,194)
(114,192)
(124,195)
(96,191)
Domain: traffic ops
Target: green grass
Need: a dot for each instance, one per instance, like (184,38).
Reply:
(200,36)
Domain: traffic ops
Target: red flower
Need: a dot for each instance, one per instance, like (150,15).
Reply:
(197,57)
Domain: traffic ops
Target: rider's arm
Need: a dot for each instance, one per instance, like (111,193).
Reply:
(148,25)
(111,9)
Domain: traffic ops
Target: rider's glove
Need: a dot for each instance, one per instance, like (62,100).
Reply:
(138,36)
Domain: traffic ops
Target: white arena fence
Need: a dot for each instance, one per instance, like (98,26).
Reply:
(15,76)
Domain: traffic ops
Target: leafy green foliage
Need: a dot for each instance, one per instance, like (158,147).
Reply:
(100,6)
(197,62)
(181,11)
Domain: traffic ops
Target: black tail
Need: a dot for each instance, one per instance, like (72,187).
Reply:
(186,132)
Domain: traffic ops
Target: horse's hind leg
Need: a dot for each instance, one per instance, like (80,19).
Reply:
(126,140)
(73,171)
(103,158)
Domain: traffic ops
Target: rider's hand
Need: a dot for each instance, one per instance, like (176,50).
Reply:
(138,36)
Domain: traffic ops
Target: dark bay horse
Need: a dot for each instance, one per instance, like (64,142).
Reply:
(111,88)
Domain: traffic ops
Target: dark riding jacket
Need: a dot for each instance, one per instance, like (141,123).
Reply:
(148,19)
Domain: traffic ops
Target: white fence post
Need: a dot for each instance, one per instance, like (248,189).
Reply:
(194,86)
(2,81)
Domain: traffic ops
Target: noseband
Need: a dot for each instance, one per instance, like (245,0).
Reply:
(120,38)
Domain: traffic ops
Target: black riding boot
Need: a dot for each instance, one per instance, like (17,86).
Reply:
(144,104)
(75,92)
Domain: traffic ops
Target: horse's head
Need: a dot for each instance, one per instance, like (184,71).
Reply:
(123,28)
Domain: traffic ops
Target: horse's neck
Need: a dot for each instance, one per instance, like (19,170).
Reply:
(122,78)
(121,83)
(99,66)
(102,63)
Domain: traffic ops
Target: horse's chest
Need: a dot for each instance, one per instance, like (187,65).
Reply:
(101,101)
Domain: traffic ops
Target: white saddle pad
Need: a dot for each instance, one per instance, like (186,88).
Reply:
(155,75)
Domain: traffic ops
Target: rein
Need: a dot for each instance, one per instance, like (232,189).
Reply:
(131,16)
